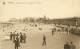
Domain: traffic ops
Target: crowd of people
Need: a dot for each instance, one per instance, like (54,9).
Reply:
(17,38)
(69,45)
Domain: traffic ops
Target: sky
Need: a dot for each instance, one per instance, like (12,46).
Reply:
(39,8)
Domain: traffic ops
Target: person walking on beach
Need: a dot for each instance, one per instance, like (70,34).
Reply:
(14,36)
(11,35)
(44,40)
(24,38)
(52,32)
(21,37)
(17,43)
(72,46)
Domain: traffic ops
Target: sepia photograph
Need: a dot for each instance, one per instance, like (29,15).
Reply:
(39,24)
